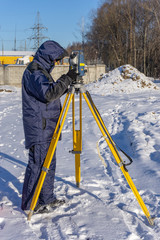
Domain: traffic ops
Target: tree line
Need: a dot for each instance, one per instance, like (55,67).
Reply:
(125,32)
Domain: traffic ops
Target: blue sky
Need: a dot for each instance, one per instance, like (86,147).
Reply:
(63,18)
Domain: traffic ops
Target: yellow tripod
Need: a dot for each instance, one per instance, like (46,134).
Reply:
(77,145)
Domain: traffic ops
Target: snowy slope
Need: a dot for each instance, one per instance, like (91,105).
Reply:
(104,206)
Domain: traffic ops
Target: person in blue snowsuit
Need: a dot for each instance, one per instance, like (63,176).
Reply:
(41,108)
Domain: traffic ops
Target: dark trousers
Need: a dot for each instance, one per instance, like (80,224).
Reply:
(37,156)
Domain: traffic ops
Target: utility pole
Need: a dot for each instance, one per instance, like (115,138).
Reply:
(37,35)
(2,48)
(82,32)
(15,41)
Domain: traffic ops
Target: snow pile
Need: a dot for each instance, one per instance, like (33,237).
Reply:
(125,79)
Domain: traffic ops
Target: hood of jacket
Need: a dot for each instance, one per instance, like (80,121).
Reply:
(47,53)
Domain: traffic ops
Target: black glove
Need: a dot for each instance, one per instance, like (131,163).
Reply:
(72,74)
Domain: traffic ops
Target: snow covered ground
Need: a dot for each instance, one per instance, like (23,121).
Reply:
(104,206)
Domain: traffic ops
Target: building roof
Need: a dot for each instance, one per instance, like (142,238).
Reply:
(16,53)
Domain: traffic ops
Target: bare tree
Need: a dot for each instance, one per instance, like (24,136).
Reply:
(126,31)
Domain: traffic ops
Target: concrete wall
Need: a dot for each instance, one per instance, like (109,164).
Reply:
(1,75)
(12,74)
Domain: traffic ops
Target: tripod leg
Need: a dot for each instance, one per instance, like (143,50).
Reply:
(116,155)
(50,152)
(77,140)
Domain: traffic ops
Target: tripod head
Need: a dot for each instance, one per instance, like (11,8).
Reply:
(76,62)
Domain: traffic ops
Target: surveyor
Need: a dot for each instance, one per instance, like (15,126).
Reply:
(41,108)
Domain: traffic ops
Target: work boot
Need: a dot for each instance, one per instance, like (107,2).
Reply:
(56,203)
(47,208)
(41,209)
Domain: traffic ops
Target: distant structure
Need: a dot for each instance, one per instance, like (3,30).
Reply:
(37,35)
(22,58)
(16,57)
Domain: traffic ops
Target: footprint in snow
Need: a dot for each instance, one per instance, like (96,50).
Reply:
(2,223)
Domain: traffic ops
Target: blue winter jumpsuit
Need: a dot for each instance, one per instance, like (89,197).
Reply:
(41,108)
